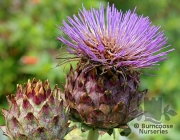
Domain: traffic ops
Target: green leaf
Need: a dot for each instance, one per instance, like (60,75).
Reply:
(166,108)
(167,118)
(172,113)
(125,132)
(85,127)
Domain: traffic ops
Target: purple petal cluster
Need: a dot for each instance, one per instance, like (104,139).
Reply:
(114,38)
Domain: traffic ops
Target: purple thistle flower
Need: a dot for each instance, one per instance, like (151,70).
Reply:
(114,38)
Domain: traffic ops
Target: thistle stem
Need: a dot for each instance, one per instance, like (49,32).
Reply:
(93,135)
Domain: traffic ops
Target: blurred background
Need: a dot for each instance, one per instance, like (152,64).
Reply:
(28,49)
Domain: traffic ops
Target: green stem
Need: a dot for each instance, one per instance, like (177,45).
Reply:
(93,135)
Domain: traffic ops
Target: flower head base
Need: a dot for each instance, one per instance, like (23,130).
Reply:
(114,38)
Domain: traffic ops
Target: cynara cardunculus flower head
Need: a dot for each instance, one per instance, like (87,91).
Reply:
(111,47)
(114,39)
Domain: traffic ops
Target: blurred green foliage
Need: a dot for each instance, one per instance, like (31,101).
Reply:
(28,46)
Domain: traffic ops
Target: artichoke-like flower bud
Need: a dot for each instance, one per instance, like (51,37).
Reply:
(111,48)
(104,100)
(35,112)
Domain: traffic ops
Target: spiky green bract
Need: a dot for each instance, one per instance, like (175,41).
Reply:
(35,112)
(103,98)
